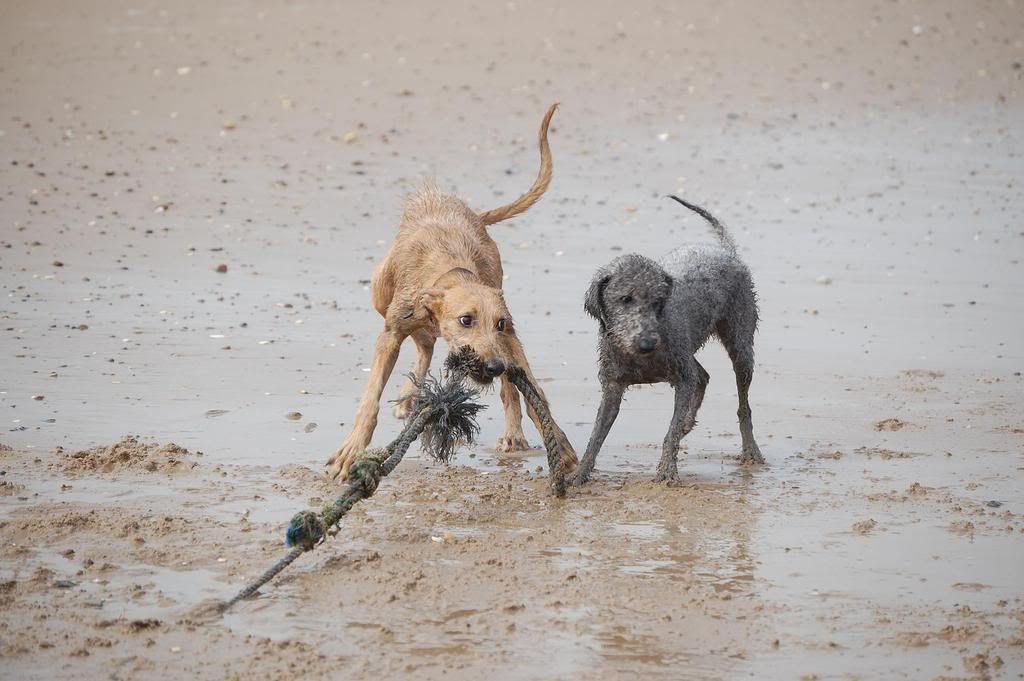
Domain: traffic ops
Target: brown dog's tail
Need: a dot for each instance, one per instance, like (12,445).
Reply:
(524,202)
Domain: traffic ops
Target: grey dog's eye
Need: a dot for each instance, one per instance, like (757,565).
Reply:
(466,320)
(501,325)
(626,300)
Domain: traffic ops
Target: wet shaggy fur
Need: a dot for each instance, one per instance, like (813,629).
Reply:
(442,278)
(654,317)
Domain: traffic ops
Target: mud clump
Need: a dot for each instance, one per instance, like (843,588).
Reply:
(10,489)
(890,425)
(923,373)
(129,454)
(864,526)
(884,454)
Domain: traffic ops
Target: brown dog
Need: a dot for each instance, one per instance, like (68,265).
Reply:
(442,278)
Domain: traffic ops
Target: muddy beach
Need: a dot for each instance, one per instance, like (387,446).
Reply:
(192,201)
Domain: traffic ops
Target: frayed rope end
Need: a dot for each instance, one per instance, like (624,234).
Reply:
(452,420)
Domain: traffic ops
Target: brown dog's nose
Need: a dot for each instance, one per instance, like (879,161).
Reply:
(494,367)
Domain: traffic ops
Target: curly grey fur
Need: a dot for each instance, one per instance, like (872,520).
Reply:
(670,309)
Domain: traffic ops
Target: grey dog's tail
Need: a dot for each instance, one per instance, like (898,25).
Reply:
(720,231)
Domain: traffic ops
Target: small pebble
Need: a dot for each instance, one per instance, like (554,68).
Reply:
(293,416)
(222,268)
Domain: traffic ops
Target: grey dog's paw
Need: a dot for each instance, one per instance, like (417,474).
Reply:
(576,480)
(667,476)
(751,455)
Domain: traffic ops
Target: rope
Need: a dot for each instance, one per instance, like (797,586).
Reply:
(556,462)
(444,409)
(266,576)
(446,414)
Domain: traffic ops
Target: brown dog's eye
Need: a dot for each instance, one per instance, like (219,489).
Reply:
(466,320)
(501,325)
(626,300)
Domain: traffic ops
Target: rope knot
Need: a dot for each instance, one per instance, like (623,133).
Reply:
(366,473)
(305,530)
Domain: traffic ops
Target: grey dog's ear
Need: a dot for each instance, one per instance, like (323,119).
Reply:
(668,285)
(594,302)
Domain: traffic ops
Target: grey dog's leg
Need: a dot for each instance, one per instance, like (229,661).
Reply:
(698,398)
(737,335)
(611,399)
(751,452)
(667,467)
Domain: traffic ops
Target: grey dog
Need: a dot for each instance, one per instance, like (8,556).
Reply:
(655,317)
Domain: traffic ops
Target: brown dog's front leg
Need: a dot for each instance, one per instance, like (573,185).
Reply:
(384,356)
(513,440)
(407,396)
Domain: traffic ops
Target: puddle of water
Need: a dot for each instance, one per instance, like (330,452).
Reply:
(569,557)
(646,567)
(458,531)
(644,531)
(183,587)
(834,585)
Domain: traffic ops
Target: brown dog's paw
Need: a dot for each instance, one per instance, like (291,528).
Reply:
(338,465)
(403,408)
(511,443)
(569,460)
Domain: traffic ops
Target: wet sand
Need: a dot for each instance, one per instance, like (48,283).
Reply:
(868,162)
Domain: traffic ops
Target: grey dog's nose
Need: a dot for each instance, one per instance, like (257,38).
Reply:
(494,367)
(647,344)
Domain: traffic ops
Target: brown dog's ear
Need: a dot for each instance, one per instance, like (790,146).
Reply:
(417,309)
(429,302)
(594,302)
